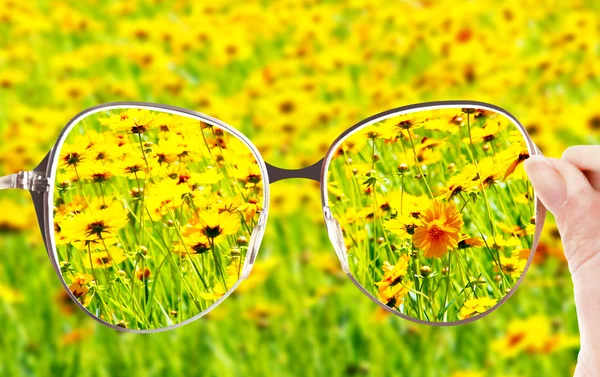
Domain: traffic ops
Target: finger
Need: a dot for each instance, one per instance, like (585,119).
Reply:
(576,181)
(554,181)
(548,183)
(584,157)
(594,178)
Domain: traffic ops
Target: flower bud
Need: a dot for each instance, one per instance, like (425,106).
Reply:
(425,271)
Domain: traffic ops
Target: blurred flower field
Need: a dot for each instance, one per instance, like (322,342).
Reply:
(292,77)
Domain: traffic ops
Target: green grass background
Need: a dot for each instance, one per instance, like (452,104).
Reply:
(332,63)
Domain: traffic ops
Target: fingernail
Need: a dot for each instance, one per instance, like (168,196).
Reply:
(547,182)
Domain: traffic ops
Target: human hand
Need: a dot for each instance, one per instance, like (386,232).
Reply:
(570,188)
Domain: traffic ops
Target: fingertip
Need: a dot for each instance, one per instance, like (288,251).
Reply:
(548,183)
(532,161)
(583,157)
(575,180)
(569,153)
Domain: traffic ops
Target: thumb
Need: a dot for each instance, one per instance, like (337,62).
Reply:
(556,182)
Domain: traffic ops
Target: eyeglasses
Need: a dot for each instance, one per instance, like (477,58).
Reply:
(152,215)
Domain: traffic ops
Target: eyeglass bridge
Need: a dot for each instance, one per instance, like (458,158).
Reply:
(312,172)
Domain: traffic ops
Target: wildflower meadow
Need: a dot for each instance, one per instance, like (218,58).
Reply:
(437,211)
(291,76)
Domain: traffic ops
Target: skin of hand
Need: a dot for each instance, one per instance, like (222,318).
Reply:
(569,187)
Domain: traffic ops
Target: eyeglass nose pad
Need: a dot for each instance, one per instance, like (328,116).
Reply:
(334,230)
(254,245)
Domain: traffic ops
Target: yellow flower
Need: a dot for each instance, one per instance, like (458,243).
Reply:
(10,295)
(180,173)
(95,224)
(512,158)
(444,120)
(135,121)
(72,155)
(207,178)
(170,150)
(534,335)
(134,166)
(261,312)
(403,226)
(499,243)
(102,146)
(393,274)
(466,242)
(476,306)
(79,287)
(97,171)
(351,146)
(251,208)
(249,174)
(405,203)
(19,217)
(194,243)
(214,225)
(394,295)
(75,206)
(392,287)
(440,229)
(403,123)
(165,196)
(463,183)
(489,172)
(486,133)
(513,265)
(104,259)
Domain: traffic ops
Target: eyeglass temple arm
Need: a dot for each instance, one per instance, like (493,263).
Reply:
(37,182)
(25,180)
(8,182)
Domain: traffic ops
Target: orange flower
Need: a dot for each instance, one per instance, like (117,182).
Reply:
(440,229)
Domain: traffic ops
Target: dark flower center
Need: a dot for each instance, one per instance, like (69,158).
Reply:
(103,260)
(162,158)
(133,169)
(73,158)
(594,122)
(138,129)
(398,280)
(510,268)
(253,178)
(523,156)
(212,231)
(183,178)
(96,228)
(200,248)
(406,124)
(100,177)
(286,107)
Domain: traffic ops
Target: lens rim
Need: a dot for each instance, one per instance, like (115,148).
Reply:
(540,210)
(44,203)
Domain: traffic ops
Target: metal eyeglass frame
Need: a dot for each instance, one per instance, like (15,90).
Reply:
(40,181)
